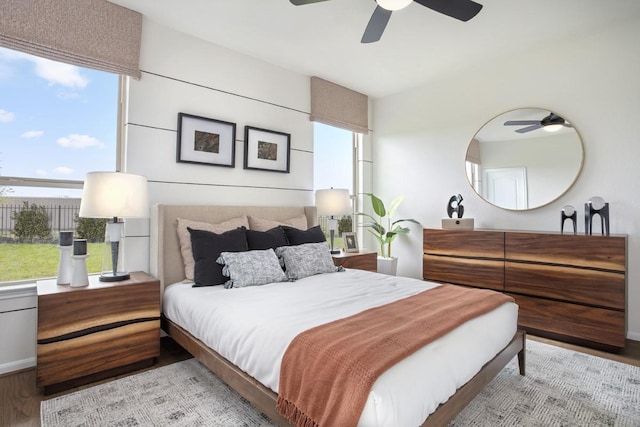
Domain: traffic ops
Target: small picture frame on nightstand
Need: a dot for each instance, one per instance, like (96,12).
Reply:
(350,242)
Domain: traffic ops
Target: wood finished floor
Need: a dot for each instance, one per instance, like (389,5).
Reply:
(20,398)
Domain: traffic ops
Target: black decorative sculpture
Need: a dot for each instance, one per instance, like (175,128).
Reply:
(596,205)
(458,209)
(569,212)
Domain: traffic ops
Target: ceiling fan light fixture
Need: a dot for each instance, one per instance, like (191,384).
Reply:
(393,4)
(552,127)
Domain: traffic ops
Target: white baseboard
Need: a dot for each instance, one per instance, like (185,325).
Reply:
(633,335)
(17,365)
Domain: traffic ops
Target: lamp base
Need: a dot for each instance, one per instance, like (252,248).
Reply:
(118,277)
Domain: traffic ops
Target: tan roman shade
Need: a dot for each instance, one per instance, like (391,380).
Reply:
(89,33)
(338,106)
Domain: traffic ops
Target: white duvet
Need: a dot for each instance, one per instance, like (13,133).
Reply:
(253,326)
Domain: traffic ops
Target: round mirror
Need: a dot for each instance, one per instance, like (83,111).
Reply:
(524,158)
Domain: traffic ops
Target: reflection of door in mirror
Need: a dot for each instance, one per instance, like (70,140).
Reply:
(548,163)
(506,187)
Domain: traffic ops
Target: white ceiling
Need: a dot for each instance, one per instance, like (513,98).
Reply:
(323,39)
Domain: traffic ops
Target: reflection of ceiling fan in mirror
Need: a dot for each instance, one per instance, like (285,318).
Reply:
(550,123)
(458,9)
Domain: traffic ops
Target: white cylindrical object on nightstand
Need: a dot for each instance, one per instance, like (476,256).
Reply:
(80,277)
(64,266)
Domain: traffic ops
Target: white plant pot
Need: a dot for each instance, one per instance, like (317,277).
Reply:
(387,265)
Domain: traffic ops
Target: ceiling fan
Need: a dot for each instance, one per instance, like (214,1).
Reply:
(550,123)
(458,9)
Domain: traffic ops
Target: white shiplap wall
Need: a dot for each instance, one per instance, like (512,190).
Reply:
(185,74)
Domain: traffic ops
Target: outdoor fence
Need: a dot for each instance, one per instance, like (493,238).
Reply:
(61,215)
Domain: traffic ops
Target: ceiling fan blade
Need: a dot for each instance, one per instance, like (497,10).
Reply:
(303,2)
(376,25)
(521,122)
(529,128)
(458,9)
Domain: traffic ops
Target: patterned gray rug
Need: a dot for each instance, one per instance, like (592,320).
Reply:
(562,388)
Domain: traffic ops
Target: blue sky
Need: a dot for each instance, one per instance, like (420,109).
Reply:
(332,157)
(57,121)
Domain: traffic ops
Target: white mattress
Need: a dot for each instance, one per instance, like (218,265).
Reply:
(252,328)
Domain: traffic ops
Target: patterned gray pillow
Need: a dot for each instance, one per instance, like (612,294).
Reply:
(306,260)
(251,268)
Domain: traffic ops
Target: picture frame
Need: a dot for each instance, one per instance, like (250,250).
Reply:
(350,240)
(266,149)
(205,141)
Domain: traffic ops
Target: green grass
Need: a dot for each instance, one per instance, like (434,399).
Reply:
(39,260)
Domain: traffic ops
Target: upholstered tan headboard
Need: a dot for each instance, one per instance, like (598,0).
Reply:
(166,261)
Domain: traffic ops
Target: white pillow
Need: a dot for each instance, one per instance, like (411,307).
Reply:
(251,268)
(261,224)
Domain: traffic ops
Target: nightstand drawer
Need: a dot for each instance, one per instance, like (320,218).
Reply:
(363,260)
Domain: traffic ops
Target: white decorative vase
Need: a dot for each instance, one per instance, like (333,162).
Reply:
(387,265)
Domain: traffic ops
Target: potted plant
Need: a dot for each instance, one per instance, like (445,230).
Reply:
(385,230)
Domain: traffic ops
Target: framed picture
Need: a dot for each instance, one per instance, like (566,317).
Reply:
(350,242)
(266,149)
(206,141)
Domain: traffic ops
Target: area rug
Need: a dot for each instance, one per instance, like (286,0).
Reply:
(561,388)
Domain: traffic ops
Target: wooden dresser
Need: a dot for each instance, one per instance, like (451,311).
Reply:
(93,332)
(569,287)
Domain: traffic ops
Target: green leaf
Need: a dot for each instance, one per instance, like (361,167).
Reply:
(378,228)
(405,219)
(393,206)
(378,206)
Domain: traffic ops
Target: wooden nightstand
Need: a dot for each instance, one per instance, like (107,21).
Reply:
(98,331)
(363,260)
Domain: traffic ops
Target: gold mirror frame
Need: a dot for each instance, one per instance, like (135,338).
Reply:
(528,169)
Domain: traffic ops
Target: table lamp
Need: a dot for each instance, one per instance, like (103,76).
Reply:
(333,203)
(114,195)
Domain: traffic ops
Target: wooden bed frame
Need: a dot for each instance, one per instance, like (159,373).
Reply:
(166,264)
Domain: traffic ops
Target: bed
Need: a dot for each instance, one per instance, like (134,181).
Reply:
(167,265)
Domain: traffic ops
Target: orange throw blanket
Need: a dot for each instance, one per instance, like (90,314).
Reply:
(327,372)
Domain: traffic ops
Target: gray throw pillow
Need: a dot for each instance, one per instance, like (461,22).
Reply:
(306,260)
(251,268)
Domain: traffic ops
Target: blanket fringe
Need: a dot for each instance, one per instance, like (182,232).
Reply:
(292,413)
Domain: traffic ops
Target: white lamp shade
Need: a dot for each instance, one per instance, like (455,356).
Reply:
(333,202)
(114,194)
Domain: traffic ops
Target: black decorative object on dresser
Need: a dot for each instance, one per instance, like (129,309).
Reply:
(569,287)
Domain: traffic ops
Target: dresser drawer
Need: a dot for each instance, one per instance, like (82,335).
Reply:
(598,288)
(479,273)
(572,320)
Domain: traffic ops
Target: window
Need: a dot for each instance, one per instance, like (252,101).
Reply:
(57,122)
(333,160)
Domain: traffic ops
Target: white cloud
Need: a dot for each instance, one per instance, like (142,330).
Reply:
(59,73)
(63,170)
(79,141)
(41,172)
(65,94)
(53,72)
(32,134)
(6,116)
